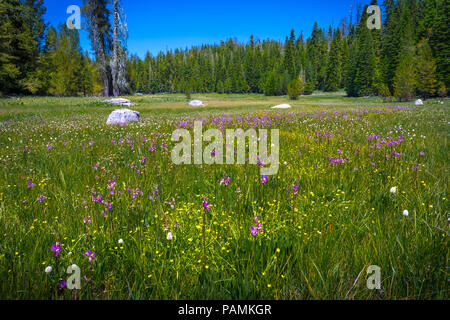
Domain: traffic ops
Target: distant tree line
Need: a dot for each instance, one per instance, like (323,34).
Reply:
(408,56)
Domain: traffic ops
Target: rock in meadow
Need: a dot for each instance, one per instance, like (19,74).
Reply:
(123,116)
(120,101)
(418,102)
(196,103)
(282,106)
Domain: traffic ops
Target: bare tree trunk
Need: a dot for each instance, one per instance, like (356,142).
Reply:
(119,59)
(115,62)
(96,14)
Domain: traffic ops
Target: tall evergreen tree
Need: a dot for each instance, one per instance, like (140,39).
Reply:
(334,68)
(426,71)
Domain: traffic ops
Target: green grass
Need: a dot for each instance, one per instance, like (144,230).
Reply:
(316,244)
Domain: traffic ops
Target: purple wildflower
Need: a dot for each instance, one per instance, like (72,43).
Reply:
(264,179)
(56,248)
(90,254)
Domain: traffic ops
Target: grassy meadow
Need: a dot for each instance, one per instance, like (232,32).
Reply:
(109,199)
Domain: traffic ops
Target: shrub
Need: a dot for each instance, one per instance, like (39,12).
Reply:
(294,89)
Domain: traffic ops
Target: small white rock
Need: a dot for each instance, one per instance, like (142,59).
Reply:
(196,103)
(282,106)
(120,101)
(419,102)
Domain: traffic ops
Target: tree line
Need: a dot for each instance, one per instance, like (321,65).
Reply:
(408,56)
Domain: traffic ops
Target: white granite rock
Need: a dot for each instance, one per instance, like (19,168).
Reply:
(418,102)
(196,103)
(120,101)
(122,116)
(282,106)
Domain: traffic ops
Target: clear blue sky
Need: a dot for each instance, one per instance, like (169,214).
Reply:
(157,25)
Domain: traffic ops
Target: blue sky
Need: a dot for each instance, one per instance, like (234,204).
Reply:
(160,25)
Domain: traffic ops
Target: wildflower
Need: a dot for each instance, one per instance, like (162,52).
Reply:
(48,269)
(225,181)
(264,179)
(257,229)
(205,205)
(393,190)
(56,248)
(62,284)
(120,241)
(405,213)
(89,254)
(169,236)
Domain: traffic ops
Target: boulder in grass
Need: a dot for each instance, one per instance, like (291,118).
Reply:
(418,102)
(120,101)
(123,116)
(282,106)
(196,103)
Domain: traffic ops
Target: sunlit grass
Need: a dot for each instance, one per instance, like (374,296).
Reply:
(58,156)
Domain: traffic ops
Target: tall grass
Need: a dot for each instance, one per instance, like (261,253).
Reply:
(59,162)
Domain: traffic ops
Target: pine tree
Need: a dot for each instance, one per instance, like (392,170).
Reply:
(289,55)
(405,82)
(22,31)
(334,68)
(362,68)
(390,41)
(439,41)
(295,88)
(270,87)
(426,71)
(67,62)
